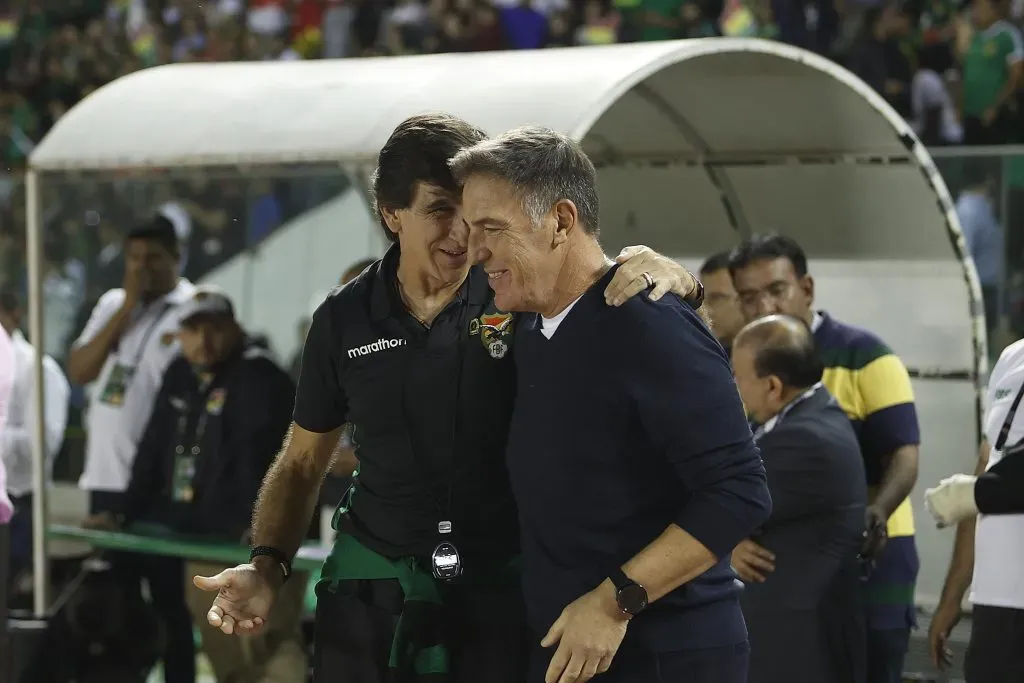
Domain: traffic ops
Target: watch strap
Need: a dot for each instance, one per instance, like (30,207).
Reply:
(276,555)
(619,579)
(696,297)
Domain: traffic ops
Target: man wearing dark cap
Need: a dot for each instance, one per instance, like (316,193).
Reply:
(801,566)
(222,406)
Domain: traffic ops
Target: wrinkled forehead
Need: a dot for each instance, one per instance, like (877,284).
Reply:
(489,199)
(427,196)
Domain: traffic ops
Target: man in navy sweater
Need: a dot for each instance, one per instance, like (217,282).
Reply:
(630,456)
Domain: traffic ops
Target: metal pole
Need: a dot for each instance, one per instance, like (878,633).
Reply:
(40,573)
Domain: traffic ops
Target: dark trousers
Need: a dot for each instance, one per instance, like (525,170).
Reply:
(21,536)
(996,651)
(715,665)
(487,638)
(165,577)
(887,648)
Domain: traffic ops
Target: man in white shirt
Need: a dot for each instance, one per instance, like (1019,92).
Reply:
(16,439)
(988,549)
(6,383)
(122,353)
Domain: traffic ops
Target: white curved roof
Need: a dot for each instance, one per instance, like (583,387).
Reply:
(700,142)
(343,110)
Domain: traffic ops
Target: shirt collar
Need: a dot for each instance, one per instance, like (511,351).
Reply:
(816,321)
(385,299)
(773,421)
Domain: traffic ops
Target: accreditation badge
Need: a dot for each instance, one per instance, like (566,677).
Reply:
(184,473)
(116,386)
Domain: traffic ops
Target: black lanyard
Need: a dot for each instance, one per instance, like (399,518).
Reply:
(444,510)
(149,333)
(1004,431)
(194,451)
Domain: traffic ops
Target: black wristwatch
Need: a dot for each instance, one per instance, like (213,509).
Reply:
(696,297)
(630,595)
(276,555)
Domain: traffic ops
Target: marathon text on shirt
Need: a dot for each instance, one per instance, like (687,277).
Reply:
(379,345)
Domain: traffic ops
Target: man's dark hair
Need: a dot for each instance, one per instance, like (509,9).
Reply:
(418,151)
(10,299)
(715,262)
(543,166)
(783,346)
(159,230)
(768,248)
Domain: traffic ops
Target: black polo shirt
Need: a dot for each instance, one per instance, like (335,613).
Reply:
(430,406)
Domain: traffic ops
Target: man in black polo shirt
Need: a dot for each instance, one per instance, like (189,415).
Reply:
(631,460)
(416,356)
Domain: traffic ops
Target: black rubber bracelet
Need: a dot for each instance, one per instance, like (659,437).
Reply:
(696,298)
(276,555)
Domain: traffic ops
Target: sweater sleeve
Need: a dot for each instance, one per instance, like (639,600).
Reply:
(682,386)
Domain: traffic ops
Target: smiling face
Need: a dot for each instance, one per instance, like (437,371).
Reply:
(522,260)
(428,234)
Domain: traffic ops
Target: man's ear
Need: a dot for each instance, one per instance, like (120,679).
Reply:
(807,285)
(391,219)
(566,219)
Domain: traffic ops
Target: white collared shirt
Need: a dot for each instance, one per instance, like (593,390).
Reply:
(16,438)
(114,431)
(6,381)
(774,420)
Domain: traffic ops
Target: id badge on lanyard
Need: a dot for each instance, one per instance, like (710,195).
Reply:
(121,375)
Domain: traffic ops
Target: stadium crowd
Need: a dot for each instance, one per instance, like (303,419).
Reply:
(923,56)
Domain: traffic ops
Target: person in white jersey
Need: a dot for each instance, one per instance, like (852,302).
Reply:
(16,440)
(127,344)
(989,549)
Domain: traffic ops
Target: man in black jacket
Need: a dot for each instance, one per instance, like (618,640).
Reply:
(223,405)
(801,566)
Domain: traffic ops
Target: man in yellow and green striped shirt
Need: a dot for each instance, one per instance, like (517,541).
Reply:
(873,387)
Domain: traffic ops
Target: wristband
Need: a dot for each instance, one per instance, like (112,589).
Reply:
(274,554)
(696,297)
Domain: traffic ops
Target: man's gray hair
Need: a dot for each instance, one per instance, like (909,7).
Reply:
(542,165)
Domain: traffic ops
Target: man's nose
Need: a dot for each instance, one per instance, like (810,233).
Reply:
(478,251)
(766,305)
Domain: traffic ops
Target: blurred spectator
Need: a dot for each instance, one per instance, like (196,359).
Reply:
(16,435)
(984,235)
(525,25)
(934,115)
(600,24)
(878,55)
(992,69)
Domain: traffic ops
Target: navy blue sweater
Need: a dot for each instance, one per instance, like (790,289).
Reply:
(626,421)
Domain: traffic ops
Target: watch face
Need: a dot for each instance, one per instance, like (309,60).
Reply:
(632,598)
